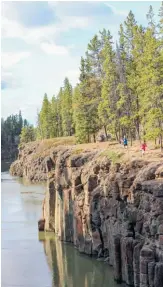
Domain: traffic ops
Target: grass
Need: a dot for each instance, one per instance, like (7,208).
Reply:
(115,157)
(77,151)
(44,146)
(113,150)
(48,143)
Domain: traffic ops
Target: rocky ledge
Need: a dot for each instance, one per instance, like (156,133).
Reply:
(113,211)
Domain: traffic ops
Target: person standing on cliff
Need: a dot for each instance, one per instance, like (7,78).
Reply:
(125,142)
(143,147)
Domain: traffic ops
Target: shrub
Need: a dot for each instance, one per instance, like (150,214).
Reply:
(112,155)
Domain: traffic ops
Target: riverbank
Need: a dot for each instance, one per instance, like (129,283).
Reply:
(106,202)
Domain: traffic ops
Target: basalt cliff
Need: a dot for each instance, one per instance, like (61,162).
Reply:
(107,209)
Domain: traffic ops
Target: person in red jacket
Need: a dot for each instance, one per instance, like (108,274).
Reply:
(143,147)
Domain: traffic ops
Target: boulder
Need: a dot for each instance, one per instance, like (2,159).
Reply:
(41,225)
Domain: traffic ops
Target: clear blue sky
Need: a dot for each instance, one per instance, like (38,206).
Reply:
(42,43)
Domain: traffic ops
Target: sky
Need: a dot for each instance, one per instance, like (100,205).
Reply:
(42,43)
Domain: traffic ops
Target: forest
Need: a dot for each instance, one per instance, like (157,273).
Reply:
(119,91)
(12,129)
(120,88)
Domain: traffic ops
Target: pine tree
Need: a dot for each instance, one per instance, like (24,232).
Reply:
(54,118)
(44,118)
(150,18)
(39,131)
(127,96)
(135,77)
(59,112)
(88,97)
(106,108)
(151,85)
(160,25)
(20,124)
(80,117)
(66,108)
(80,113)
(27,134)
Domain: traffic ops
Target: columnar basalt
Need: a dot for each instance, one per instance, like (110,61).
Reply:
(110,211)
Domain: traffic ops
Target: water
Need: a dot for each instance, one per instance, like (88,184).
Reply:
(32,259)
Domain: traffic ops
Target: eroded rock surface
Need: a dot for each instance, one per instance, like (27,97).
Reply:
(111,211)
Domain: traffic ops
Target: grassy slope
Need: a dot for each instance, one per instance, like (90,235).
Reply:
(113,150)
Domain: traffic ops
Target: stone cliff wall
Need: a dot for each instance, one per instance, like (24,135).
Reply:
(31,162)
(110,211)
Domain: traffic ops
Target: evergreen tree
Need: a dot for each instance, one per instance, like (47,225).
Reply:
(119,89)
(66,108)
(106,108)
(80,117)
(152,85)
(160,25)
(150,18)
(10,134)
(27,134)
(59,112)
(44,118)
(80,111)
(53,118)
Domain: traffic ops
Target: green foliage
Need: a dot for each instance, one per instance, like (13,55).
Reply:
(11,129)
(115,157)
(80,116)
(66,108)
(120,90)
(27,134)
(77,151)
(45,118)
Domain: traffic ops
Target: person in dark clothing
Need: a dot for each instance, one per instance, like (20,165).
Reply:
(125,142)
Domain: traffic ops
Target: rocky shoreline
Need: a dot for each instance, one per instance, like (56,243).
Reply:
(113,211)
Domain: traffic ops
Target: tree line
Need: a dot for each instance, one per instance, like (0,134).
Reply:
(15,129)
(120,88)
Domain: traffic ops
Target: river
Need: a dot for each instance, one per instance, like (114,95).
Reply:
(32,259)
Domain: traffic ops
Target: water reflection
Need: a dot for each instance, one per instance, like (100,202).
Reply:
(5,165)
(34,260)
(22,256)
(71,269)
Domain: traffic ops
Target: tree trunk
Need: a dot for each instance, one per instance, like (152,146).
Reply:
(106,135)
(131,136)
(88,138)
(119,132)
(161,143)
(138,119)
(116,135)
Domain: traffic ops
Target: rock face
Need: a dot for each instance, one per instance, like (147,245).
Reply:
(41,225)
(111,211)
(31,163)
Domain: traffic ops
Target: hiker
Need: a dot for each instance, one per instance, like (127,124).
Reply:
(125,142)
(121,141)
(143,147)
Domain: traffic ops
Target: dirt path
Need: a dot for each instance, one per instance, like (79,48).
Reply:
(133,152)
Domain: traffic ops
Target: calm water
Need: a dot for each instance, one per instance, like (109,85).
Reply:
(32,259)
